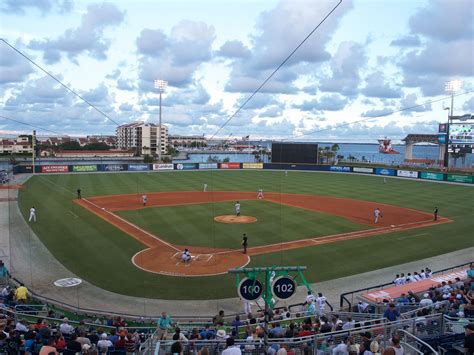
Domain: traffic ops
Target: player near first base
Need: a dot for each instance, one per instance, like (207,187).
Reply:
(144,200)
(204,188)
(237,208)
(260,194)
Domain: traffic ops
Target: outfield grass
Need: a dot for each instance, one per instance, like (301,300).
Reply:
(276,223)
(101,254)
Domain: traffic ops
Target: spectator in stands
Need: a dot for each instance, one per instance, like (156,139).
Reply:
(412,297)
(290,331)
(179,336)
(113,336)
(391,313)
(231,348)
(236,323)
(82,339)
(120,342)
(60,343)
(349,324)
(48,348)
(130,344)
(469,309)
(362,307)
(21,327)
(92,335)
(365,344)
(311,309)
(176,348)
(204,334)
(277,331)
(4,274)
(73,344)
(21,294)
(65,328)
(426,301)
(469,339)
(104,344)
(219,318)
(164,325)
(396,346)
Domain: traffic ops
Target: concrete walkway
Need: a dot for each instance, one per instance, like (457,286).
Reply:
(30,261)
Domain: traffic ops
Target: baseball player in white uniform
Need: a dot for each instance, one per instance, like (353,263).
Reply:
(260,194)
(186,256)
(204,188)
(145,200)
(237,208)
(377,214)
(321,301)
(32,214)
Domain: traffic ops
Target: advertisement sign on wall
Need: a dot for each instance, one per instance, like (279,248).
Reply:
(114,167)
(387,172)
(208,166)
(230,165)
(346,169)
(84,168)
(432,176)
(363,170)
(54,169)
(163,166)
(186,166)
(460,178)
(138,167)
(407,173)
(252,165)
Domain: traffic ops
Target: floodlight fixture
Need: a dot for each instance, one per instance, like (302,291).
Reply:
(161,85)
(453,86)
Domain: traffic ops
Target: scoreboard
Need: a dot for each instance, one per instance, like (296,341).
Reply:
(461,138)
(295,153)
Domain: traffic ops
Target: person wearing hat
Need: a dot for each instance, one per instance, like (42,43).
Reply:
(469,339)
(104,344)
(221,334)
(186,256)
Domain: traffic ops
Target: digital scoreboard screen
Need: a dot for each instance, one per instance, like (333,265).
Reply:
(461,138)
(295,153)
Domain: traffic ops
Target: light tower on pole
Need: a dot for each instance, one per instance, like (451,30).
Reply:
(452,87)
(161,86)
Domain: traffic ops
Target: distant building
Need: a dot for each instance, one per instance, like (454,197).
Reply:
(142,137)
(187,141)
(19,145)
(93,153)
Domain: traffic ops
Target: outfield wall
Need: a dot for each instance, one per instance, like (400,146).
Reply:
(410,174)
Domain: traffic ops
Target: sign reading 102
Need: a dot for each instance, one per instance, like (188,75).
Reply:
(249,289)
(283,287)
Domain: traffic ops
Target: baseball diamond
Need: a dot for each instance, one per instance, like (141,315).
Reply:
(316,219)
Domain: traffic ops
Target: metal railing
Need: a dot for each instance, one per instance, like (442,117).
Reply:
(408,339)
(343,298)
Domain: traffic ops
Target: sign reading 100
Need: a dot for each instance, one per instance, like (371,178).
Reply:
(249,289)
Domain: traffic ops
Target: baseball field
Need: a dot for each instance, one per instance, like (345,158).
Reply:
(321,220)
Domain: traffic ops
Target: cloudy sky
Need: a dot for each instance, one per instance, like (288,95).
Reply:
(370,58)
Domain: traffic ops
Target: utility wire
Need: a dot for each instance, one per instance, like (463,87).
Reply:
(275,71)
(374,117)
(30,125)
(59,81)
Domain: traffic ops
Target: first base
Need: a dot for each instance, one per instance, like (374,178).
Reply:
(393,225)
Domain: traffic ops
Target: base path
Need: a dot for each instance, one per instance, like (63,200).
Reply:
(233,219)
(165,258)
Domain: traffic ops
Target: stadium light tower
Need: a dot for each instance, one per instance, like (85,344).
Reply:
(161,86)
(452,86)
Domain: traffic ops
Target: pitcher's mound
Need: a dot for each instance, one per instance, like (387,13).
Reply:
(230,218)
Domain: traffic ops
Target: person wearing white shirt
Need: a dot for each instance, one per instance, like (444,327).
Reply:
(423,274)
(65,328)
(426,301)
(349,324)
(403,280)
(104,343)
(416,276)
(231,349)
(32,214)
(21,327)
(321,301)
(310,297)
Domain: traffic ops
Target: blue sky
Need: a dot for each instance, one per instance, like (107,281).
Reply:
(369,58)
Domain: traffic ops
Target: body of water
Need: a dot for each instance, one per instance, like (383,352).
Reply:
(368,152)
